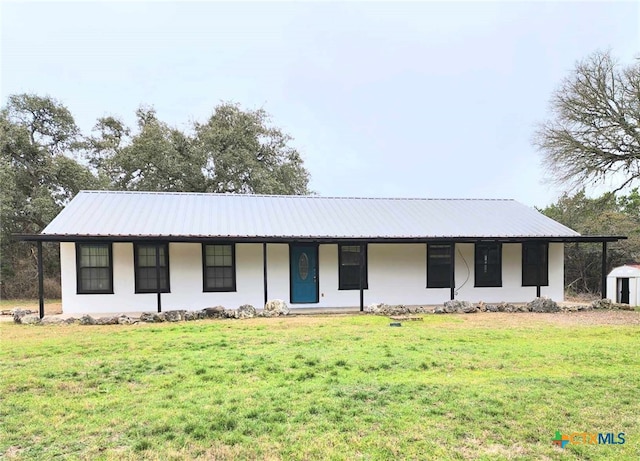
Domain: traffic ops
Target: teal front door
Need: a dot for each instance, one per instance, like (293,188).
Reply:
(303,267)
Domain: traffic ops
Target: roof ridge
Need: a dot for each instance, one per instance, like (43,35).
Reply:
(219,194)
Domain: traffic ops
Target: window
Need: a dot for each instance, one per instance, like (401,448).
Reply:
(439,266)
(144,255)
(488,265)
(535,266)
(219,267)
(349,267)
(94,268)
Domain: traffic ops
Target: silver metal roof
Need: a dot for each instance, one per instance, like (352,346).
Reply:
(156,214)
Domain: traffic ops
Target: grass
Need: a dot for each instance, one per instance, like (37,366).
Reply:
(485,386)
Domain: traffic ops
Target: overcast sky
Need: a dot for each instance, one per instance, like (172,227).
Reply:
(418,99)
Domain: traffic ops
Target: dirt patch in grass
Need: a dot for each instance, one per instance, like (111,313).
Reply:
(604,317)
(591,318)
(51,307)
(13,452)
(480,319)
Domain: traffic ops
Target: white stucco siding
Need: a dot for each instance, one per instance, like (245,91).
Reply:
(396,275)
(277,272)
(185,275)
(123,298)
(555,290)
(512,289)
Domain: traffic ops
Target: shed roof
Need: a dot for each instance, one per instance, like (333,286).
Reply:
(628,270)
(234,216)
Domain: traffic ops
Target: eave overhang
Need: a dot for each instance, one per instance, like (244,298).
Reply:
(312,239)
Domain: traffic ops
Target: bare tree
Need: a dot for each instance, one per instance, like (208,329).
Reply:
(595,133)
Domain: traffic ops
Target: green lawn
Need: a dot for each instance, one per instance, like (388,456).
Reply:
(483,386)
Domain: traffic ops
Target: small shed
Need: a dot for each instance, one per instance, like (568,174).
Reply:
(624,281)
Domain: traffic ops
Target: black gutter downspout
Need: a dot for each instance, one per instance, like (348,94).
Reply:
(452,272)
(158,287)
(604,270)
(40,281)
(264,270)
(361,284)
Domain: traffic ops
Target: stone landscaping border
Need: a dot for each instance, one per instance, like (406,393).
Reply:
(538,305)
(278,307)
(274,308)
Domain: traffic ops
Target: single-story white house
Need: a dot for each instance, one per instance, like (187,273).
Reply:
(624,281)
(140,251)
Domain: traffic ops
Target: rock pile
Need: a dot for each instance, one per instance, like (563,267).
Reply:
(217,312)
(608,304)
(465,307)
(273,308)
(457,307)
(20,313)
(543,304)
(538,305)
(400,309)
(28,319)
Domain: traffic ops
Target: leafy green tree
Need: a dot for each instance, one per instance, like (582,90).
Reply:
(235,151)
(604,215)
(157,158)
(244,154)
(630,204)
(594,135)
(36,181)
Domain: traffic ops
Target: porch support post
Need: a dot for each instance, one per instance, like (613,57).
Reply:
(158,287)
(361,281)
(540,266)
(40,280)
(264,271)
(603,281)
(452,272)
